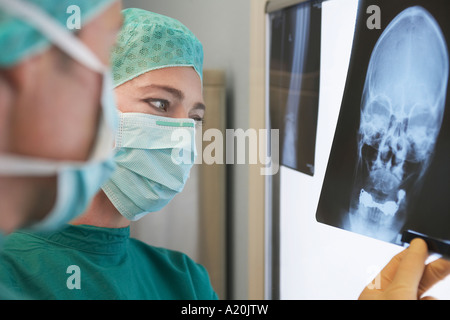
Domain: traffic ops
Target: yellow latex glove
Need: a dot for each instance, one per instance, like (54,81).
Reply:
(406,276)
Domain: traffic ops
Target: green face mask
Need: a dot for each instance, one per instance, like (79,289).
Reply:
(154,157)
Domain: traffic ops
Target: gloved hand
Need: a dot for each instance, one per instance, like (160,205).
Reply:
(406,277)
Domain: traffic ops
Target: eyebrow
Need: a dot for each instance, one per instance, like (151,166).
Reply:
(178,94)
(175,92)
(200,106)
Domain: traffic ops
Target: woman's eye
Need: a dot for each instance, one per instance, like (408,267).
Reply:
(159,104)
(197,116)
(198,119)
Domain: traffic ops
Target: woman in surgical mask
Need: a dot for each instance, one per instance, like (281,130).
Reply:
(157,69)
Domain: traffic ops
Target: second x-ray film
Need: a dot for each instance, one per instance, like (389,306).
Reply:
(389,168)
(294,82)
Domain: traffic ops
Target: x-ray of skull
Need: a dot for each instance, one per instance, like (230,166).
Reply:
(395,124)
(401,115)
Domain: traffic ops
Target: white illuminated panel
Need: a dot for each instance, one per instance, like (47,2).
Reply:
(318,261)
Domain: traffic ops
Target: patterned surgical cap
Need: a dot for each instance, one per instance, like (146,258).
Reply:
(150,41)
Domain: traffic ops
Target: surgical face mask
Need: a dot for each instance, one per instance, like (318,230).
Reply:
(78,182)
(154,156)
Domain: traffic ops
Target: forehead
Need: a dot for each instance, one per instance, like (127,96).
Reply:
(184,79)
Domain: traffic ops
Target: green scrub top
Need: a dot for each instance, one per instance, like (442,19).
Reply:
(87,262)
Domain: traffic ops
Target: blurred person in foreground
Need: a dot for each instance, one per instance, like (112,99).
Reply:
(158,71)
(57,111)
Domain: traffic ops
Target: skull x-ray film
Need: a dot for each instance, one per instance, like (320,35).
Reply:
(389,168)
(294,82)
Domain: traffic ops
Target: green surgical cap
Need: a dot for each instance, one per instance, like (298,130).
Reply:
(19,40)
(150,41)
